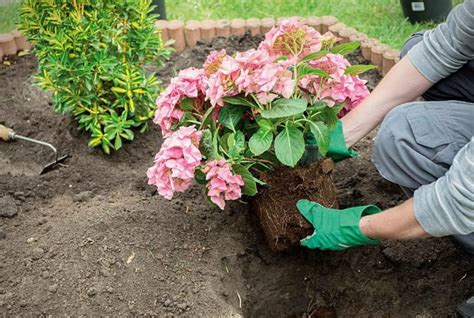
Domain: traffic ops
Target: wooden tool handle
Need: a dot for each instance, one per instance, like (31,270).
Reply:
(5,133)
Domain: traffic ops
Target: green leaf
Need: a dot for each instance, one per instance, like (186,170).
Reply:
(358,69)
(250,186)
(265,124)
(224,141)
(200,177)
(205,146)
(324,113)
(106,146)
(186,104)
(305,69)
(207,116)
(261,141)
(118,142)
(238,101)
(285,107)
(314,56)
(321,133)
(236,144)
(345,48)
(128,134)
(94,142)
(230,116)
(281,58)
(289,146)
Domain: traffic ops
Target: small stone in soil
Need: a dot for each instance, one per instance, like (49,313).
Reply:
(31,240)
(83,196)
(91,292)
(19,195)
(37,253)
(105,272)
(8,207)
(53,288)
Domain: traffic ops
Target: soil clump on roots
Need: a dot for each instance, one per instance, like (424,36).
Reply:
(275,204)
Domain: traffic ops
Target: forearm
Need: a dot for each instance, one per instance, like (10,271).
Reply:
(398,223)
(404,83)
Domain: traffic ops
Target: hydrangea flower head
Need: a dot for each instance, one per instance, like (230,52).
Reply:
(222,184)
(175,163)
(189,83)
(291,38)
(213,62)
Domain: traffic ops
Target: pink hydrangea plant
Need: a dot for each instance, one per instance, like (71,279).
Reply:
(239,114)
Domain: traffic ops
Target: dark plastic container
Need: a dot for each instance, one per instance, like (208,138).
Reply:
(160,9)
(426,10)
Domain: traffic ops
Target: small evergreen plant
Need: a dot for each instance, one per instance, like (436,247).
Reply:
(91,56)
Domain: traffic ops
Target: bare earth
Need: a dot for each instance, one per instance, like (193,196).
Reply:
(92,238)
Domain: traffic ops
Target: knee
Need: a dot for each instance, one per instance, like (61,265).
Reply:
(393,125)
(414,39)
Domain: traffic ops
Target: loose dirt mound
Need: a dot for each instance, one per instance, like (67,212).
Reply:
(92,239)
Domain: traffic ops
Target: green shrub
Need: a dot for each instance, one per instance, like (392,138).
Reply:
(91,56)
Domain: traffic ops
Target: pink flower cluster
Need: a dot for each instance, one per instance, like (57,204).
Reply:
(249,72)
(340,87)
(189,83)
(175,163)
(222,184)
(292,39)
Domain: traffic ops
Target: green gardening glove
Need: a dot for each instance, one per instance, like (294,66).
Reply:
(338,150)
(335,229)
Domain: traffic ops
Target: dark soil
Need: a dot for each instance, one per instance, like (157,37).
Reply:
(275,204)
(91,239)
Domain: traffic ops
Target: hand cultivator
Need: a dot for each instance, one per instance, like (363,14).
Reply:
(7,134)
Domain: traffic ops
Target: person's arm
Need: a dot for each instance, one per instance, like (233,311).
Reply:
(442,52)
(398,223)
(404,83)
(444,207)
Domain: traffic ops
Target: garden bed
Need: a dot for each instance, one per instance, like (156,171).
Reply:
(92,238)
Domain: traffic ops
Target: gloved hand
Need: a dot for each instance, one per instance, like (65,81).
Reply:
(335,229)
(338,150)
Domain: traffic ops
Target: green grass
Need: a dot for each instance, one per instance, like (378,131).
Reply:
(8,16)
(382,19)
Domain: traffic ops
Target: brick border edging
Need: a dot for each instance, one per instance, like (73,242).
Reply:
(12,43)
(187,34)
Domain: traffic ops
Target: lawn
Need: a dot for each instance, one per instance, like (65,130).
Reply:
(8,15)
(381,19)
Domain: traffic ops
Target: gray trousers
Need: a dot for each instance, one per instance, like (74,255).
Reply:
(417,141)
